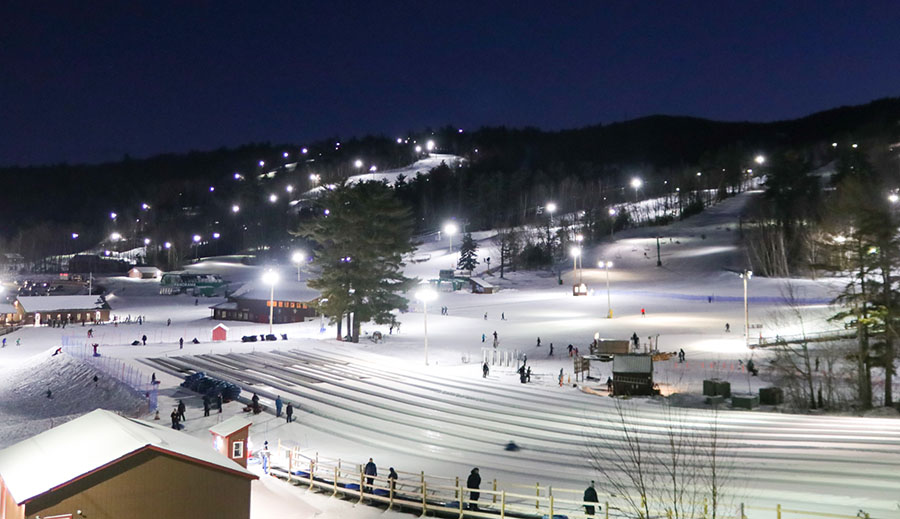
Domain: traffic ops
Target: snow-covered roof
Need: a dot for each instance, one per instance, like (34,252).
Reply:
(145,269)
(481,282)
(89,443)
(231,425)
(285,291)
(220,325)
(632,364)
(227,305)
(51,303)
(6,308)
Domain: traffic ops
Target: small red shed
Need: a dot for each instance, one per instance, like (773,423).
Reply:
(230,438)
(220,333)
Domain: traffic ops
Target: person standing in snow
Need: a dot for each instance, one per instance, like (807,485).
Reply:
(485,316)
(727,328)
(538,343)
(181,409)
(485,370)
(19,341)
(372,471)
(174,417)
(643,313)
(483,337)
(528,374)
(219,402)
(392,477)
(289,413)
(144,339)
(205,405)
(4,342)
(560,377)
(181,343)
(590,496)
(278,406)
(473,483)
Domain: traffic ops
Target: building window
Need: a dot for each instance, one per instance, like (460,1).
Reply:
(237,450)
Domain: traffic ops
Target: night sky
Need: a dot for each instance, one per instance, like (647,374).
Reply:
(92,81)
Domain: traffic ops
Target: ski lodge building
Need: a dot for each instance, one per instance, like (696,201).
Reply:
(293,303)
(39,310)
(104,466)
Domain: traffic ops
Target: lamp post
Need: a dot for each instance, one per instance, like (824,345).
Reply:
(425,295)
(551,208)
(636,183)
(270,277)
(298,257)
(746,275)
(450,229)
(197,239)
(607,265)
(612,222)
(576,253)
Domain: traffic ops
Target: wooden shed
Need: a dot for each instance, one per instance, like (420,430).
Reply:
(632,375)
(145,272)
(230,439)
(220,332)
(107,467)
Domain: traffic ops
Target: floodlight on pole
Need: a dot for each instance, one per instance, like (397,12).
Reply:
(358,163)
(298,257)
(425,295)
(607,265)
(759,159)
(270,277)
(429,145)
(636,183)
(115,236)
(576,253)
(450,229)
(746,275)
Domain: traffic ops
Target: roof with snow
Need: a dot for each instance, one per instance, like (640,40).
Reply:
(230,426)
(284,291)
(632,364)
(220,325)
(51,303)
(146,269)
(6,308)
(90,443)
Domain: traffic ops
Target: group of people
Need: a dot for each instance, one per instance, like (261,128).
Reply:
(288,411)
(178,415)
(18,342)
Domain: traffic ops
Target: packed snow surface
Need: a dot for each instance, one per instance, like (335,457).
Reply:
(380,400)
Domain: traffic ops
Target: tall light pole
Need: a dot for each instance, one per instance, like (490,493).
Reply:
(607,265)
(576,253)
(270,277)
(425,295)
(197,239)
(746,275)
(612,222)
(450,229)
(636,183)
(551,208)
(298,257)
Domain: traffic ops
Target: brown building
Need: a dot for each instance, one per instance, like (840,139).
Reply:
(292,303)
(230,439)
(38,310)
(104,466)
(632,375)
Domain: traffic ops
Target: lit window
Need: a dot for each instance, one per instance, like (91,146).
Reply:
(237,450)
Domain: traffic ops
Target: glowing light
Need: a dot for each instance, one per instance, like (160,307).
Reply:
(216,235)
(759,159)
(113,215)
(399,140)
(285,154)
(270,277)
(197,238)
(237,176)
(145,206)
(579,238)
(211,189)
(273,198)
(418,149)
(289,188)
(451,228)
(893,198)
(262,163)
(575,251)
(357,163)
(426,295)
(115,236)
(304,151)
(373,169)
(429,145)
(612,212)
(636,183)
(235,208)
(74,235)
(298,257)
(551,207)
(168,245)
(854,145)
(146,241)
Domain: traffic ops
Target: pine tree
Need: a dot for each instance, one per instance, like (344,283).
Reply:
(361,232)
(467,257)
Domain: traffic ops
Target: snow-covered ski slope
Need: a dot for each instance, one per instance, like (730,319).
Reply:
(380,400)
(390,176)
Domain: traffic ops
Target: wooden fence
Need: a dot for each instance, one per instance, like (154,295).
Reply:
(448,496)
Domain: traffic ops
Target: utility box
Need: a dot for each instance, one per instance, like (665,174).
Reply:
(715,400)
(716,387)
(771,396)
(745,401)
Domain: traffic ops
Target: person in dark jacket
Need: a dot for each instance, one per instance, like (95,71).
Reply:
(590,496)
(485,370)
(181,409)
(219,402)
(392,477)
(474,483)
(370,470)
(289,413)
(205,405)
(278,405)
(144,339)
